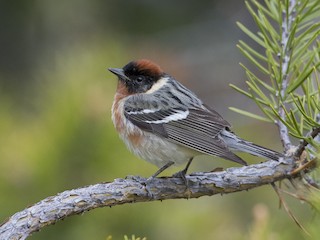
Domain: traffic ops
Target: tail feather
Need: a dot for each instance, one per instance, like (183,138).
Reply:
(238,144)
(233,157)
(259,151)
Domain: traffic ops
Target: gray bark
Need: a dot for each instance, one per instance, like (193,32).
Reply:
(137,189)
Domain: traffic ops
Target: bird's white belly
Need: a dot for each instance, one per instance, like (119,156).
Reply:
(159,151)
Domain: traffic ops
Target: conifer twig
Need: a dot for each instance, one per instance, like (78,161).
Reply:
(288,16)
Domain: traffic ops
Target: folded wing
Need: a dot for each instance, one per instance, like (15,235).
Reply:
(196,127)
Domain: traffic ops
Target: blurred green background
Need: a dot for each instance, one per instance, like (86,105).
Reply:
(55,125)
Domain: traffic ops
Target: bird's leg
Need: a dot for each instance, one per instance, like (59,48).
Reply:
(182,173)
(160,170)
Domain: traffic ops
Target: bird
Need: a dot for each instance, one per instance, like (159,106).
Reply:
(163,122)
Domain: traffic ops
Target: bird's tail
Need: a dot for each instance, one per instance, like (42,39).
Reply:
(238,144)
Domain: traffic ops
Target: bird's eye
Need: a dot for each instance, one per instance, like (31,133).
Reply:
(140,78)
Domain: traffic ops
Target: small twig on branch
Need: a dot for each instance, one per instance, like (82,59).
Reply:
(138,189)
(314,133)
(288,16)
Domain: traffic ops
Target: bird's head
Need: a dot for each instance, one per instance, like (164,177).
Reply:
(139,76)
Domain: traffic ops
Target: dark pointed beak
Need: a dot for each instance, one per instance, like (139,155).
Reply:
(119,72)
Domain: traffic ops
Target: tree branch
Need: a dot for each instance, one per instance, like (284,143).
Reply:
(137,189)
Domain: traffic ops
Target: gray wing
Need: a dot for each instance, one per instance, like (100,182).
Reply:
(196,127)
